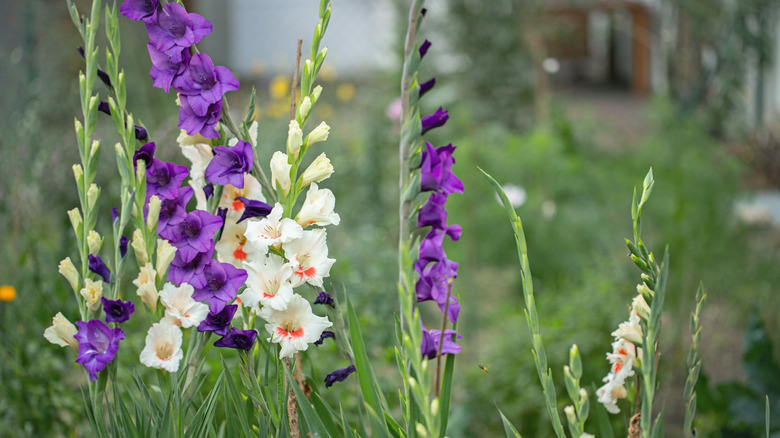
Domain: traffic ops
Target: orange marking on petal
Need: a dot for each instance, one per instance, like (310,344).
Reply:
(238,205)
(298,333)
(618,367)
(239,254)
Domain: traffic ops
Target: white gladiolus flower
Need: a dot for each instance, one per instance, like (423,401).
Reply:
(198,151)
(61,332)
(92,292)
(622,358)
(318,207)
(295,327)
(630,330)
(272,230)
(318,134)
(610,393)
(320,169)
(163,347)
(180,308)
(252,190)
(280,172)
(232,247)
(147,289)
(294,139)
(268,283)
(308,257)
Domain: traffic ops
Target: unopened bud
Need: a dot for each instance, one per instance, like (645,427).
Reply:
(147,288)
(78,173)
(575,362)
(421,430)
(294,139)
(644,291)
(318,134)
(154,213)
(94,242)
(320,169)
(315,94)
(639,305)
(95,148)
(570,414)
(92,292)
(165,254)
(93,192)
(70,273)
(435,407)
(280,172)
(75,219)
(305,107)
(139,246)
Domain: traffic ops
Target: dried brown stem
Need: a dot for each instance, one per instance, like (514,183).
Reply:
(294,87)
(292,411)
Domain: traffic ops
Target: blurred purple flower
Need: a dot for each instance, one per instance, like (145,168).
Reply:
(230,164)
(238,339)
(434,120)
(429,347)
(436,170)
(339,375)
(117,310)
(218,322)
(325,334)
(97,266)
(424,48)
(427,86)
(324,298)
(98,345)
(140,9)
(123,241)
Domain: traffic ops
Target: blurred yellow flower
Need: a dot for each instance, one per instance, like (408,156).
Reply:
(7,293)
(327,73)
(279,87)
(345,92)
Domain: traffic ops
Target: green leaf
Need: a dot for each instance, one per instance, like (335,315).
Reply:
(233,396)
(446,393)
(326,414)
(766,416)
(604,426)
(510,430)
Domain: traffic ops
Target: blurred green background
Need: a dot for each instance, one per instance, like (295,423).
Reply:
(526,106)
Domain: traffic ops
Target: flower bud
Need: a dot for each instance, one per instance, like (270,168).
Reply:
(294,139)
(305,107)
(320,169)
(92,292)
(154,213)
(570,414)
(61,332)
(420,429)
(147,288)
(94,242)
(78,173)
(70,273)
(435,407)
(94,148)
(75,219)
(644,291)
(165,254)
(583,396)
(93,192)
(315,94)
(280,172)
(139,246)
(575,362)
(318,134)
(639,305)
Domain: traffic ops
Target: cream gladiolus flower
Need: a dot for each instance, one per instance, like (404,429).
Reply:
(180,308)
(139,247)
(280,172)
(232,246)
(308,257)
(165,254)
(320,169)
(70,273)
(61,332)
(163,347)
(639,305)
(94,242)
(622,358)
(610,393)
(630,330)
(272,230)
(147,289)
(295,327)
(318,134)
(92,292)
(268,283)
(318,207)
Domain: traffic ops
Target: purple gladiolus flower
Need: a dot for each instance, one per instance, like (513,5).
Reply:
(175,29)
(230,164)
(164,179)
(123,241)
(194,234)
(238,339)
(424,48)
(164,68)
(190,272)
(430,343)
(219,322)
(98,345)
(97,266)
(434,120)
(253,208)
(208,190)
(140,9)
(436,170)
(427,86)
(145,153)
(433,212)
(172,211)
(104,77)
(104,108)
(325,334)
(141,134)
(339,375)
(117,310)
(434,284)
(324,298)
(196,124)
(204,83)
(222,282)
